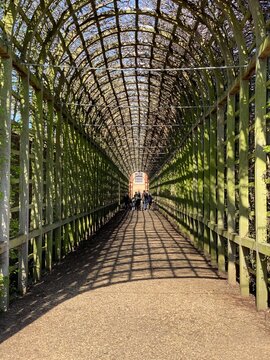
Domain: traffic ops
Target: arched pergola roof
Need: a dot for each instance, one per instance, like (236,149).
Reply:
(118,66)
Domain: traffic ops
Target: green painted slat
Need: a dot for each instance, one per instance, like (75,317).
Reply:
(231,186)
(200,185)
(212,185)
(260,186)
(5,155)
(243,186)
(206,185)
(37,201)
(49,183)
(58,185)
(220,187)
(24,187)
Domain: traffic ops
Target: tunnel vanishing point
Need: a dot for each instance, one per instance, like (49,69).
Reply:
(92,91)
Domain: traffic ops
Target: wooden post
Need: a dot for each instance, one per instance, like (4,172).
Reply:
(119,195)
(231,187)
(79,188)
(206,189)
(212,187)
(24,186)
(243,184)
(5,155)
(220,184)
(260,186)
(37,201)
(200,186)
(49,183)
(83,170)
(58,185)
(195,183)
(65,184)
(191,174)
(72,176)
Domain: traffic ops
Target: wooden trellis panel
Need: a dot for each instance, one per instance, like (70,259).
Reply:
(236,226)
(233,192)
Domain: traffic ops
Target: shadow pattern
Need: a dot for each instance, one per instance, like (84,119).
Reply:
(133,246)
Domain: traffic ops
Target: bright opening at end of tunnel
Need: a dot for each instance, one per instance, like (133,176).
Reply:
(138,182)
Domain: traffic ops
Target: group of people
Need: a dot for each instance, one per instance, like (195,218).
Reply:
(139,201)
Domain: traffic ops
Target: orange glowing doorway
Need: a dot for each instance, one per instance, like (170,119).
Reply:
(138,182)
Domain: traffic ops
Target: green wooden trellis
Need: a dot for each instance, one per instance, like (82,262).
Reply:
(249,255)
(73,128)
(48,155)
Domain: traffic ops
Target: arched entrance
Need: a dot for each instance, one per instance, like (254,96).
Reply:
(138,183)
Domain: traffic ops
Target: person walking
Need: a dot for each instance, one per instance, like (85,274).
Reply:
(127,201)
(145,200)
(138,201)
(133,202)
(150,201)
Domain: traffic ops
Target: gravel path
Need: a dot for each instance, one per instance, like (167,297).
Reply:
(137,290)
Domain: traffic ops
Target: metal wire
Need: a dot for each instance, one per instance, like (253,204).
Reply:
(137,106)
(133,125)
(194,68)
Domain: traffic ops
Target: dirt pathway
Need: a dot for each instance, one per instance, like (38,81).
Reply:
(137,290)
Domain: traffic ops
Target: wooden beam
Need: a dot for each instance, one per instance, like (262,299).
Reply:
(230,160)
(243,184)
(195,184)
(24,186)
(206,185)
(5,156)
(49,182)
(65,186)
(260,186)
(212,184)
(58,188)
(4,52)
(37,201)
(200,184)
(220,187)
(264,50)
